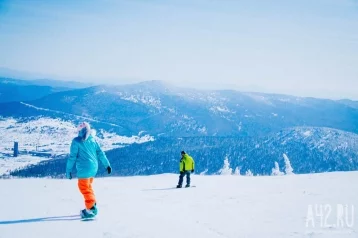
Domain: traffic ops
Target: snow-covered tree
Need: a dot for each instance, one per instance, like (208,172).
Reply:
(237,171)
(276,171)
(249,173)
(204,172)
(226,170)
(288,167)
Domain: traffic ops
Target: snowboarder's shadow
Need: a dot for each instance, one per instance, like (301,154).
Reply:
(164,189)
(42,219)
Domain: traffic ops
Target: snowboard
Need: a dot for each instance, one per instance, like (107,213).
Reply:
(88,219)
(192,186)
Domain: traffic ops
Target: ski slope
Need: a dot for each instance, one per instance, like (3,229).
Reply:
(149,207)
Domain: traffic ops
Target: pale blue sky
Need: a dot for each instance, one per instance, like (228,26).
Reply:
(299,47)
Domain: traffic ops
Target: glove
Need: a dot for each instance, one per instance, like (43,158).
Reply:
(192,171)
(109,169)
(69,175)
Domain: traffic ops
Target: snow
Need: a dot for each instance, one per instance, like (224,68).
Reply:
(100,91)
(288,167)
(222,109)
(34,107)
(220,206)
(321,137)
(226,170)
(239,127)
(249,173)
(172,110)
(69,114)
(276,171)
(203,130)
(52,136)
(8,164)
(47,134)
(140,98)
(67,99)
(260,98)
(307,133)
(111,139)
(284,99)
(211,97)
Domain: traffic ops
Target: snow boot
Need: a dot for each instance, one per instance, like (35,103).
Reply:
(187,186)
(94,209)
(87,214)
(179,186)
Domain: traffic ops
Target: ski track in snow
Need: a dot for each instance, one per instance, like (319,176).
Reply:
(150,207)
(65,113)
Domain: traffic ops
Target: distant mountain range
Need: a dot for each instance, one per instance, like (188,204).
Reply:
(12,90)
(310,150)
(253,130)
(163,110)
(39,79)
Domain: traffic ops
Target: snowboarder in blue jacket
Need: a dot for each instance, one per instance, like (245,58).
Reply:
(85,153)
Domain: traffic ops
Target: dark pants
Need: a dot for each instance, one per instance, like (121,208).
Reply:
(181,177)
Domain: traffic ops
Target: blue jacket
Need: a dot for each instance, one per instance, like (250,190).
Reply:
(86,155)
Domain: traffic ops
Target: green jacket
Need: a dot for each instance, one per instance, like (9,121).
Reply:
(186,163)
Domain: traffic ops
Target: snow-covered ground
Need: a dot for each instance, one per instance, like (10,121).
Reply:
(55,135)
(8,164)
(48,135)
(220,206)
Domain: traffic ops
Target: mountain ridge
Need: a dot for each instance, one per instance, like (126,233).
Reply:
(171,111)
(253,130)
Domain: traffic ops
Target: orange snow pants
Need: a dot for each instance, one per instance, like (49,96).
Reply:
(85,186)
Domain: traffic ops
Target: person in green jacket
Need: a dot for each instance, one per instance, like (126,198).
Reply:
(85,152)
(186,167)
